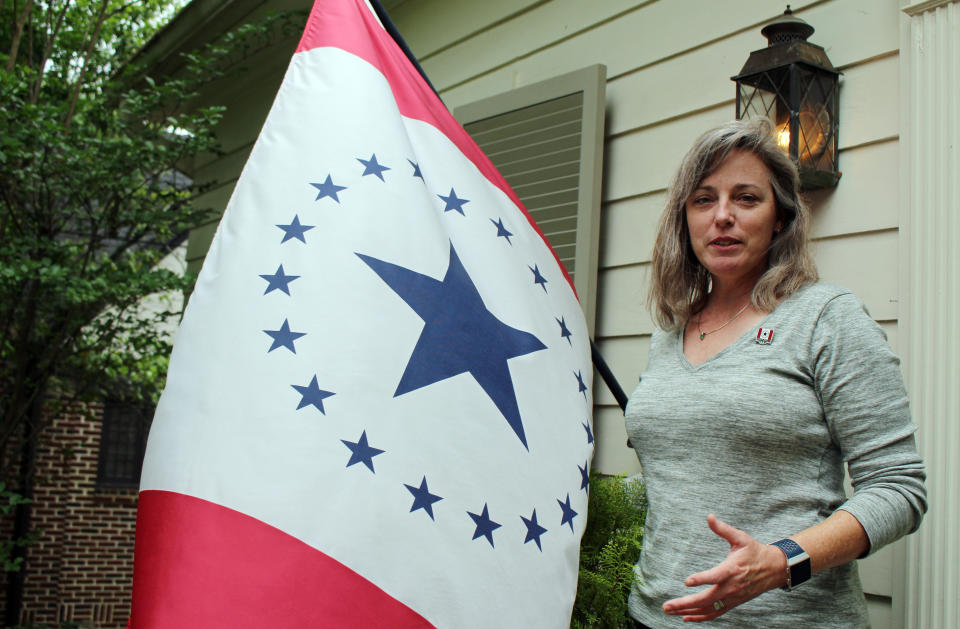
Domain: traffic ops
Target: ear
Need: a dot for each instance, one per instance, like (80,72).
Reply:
(777,227)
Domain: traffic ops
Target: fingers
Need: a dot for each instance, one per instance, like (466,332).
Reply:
(692,601)
(735,537)
(717,574)
(701,606)
(733,581)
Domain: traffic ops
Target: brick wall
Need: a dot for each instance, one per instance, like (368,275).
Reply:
(81,567)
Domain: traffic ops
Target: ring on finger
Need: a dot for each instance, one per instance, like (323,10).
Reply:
(718,605)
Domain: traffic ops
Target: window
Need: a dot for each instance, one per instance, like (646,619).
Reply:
(546,140)
(123,439)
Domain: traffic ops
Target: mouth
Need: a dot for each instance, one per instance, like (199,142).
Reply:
(724,242)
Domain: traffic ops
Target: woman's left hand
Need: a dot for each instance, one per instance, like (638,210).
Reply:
(750,569)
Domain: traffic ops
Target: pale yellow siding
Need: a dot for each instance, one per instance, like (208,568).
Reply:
(668,66)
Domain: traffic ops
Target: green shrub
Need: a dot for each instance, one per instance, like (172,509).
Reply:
(609,549)
(10,559)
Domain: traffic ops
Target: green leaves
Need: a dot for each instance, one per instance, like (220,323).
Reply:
(91,201)
(608,552)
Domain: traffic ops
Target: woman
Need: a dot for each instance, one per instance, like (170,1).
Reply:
(761,384)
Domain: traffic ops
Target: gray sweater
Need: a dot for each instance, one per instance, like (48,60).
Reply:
(758,434)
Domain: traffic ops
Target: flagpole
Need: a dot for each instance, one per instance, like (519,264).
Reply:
(391,29)
(598,362)
(611,381)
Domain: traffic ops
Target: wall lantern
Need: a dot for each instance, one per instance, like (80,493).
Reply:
(793,84)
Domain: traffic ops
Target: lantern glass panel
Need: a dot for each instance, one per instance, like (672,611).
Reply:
(816,126)
(757,102)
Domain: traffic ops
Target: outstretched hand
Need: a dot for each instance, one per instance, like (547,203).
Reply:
(749,570)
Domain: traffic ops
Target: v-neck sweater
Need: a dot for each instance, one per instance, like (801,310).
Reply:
(758,434)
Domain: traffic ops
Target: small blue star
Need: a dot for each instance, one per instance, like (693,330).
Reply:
(586,427)
(416,169)
(534,530)
(485,526)
(360,451)
(313,395)
(279,281)
(422,498)
(564,332)
(453,203)
(295,230)
(568,513)
(371,167)
(581,387)
(284,337)
(501,230)
(328,189)
(537,278)
(585,475)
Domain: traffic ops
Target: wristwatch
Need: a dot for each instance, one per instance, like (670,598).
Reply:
(798,563)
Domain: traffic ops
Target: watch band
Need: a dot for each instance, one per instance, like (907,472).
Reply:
(798,563)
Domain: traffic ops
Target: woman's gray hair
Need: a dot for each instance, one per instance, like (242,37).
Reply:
(680,284)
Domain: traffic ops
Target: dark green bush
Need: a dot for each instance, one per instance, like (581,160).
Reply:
(609,549)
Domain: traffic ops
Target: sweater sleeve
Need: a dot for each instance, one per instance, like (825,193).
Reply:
(864,400)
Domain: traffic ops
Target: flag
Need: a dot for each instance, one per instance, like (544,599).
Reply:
(378,408)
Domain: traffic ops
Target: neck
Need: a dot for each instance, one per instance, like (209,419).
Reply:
(730,295)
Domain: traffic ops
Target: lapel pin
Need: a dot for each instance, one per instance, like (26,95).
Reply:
(764,336)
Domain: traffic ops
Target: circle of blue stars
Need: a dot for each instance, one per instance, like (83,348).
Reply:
(454,315)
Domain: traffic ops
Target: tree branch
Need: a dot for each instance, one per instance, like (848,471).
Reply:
(47,49)
(86,62)
(17,34)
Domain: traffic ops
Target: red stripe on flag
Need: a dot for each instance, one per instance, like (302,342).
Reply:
(202,565)
(349,25)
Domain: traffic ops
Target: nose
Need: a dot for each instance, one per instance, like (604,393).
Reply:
(724,213)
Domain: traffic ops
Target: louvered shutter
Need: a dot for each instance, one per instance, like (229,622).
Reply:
(547,141)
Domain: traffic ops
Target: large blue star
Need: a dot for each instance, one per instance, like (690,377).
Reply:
(502,231)
(422,498)
(564,332)
(568,513)
(284,337)
(585,475)
(328,189)
(534,530)
(537,277)
(586,427)
(361,452)
(484,525)
(295,230)
(312,395)
(459,335)
(453,203)
(279,281)
(372,167)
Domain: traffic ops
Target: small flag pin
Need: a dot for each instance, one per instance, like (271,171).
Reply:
(764,336)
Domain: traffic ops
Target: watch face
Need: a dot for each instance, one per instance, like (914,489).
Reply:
(800,572)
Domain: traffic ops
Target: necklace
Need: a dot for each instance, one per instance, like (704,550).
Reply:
(728,322)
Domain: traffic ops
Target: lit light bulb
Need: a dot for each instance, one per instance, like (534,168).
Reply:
(783,137)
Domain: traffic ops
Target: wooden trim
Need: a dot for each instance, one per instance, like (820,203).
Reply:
(927,5)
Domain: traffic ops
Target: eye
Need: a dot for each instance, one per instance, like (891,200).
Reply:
(749,199)
(701,199)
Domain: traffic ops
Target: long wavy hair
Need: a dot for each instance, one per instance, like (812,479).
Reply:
(680,285)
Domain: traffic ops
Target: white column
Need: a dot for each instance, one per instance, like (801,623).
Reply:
(930,300)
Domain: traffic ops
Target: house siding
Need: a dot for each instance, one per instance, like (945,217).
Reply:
(668,66)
